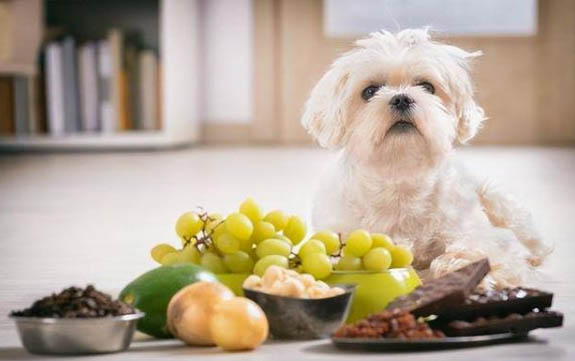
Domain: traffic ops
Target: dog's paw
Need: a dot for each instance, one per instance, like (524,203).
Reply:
(454,260)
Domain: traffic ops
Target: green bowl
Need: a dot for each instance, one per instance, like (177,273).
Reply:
(374,290)
(233,281)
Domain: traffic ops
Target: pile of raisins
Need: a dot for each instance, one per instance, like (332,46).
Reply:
(389,324)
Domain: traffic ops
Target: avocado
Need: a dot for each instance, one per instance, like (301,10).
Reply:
(152,291)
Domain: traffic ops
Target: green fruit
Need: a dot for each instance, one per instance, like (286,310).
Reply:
(152,291)
(374,290)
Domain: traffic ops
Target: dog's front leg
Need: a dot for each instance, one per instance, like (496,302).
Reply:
(505,212)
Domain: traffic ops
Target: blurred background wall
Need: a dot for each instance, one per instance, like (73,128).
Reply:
(239,71)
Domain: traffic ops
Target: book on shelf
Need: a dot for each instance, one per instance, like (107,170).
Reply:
(131,65)
(88,89)
(69,72)
(6,105)
(21,116)
(106,116)
(55,89)
(116,46)
(149,89)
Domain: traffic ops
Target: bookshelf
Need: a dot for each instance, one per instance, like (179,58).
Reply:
(176,40)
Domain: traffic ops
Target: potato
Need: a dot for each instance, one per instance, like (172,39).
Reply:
(190,310)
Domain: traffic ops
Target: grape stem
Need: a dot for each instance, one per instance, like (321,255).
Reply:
(205,240)
(341,245)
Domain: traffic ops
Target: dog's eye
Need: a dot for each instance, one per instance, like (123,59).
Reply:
(427,86)
(369,92)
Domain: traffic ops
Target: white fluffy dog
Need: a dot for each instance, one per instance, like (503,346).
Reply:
(397,106)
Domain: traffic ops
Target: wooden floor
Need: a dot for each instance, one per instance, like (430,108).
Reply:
(76,218)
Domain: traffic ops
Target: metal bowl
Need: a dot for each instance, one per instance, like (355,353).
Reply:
(76,335)
(302,318)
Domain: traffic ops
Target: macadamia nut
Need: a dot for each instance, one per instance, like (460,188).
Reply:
(288,283)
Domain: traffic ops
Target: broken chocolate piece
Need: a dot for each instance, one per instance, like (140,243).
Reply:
(514,322)
(446,291)
(498,303)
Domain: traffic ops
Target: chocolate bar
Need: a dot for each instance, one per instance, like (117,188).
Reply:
(447,291)
(498,303)
(514,322)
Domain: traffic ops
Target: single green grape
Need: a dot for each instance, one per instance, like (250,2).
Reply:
(218,230)
(190,254)
(311,246)
(239,225)
(345,252)
(265,262)
(213,263)
(329,239)
(377,259)
(358,243)
(239,262)
(381,240)
(252,253)
(250,208)
(348,263)
(400,257)
(160,251)
(273,247)
(214,220)
(317,264)
(226,243)
(281,237)
(171,258)
(188,225)
(295,229)
(263,230)
(278,218)
(246,245)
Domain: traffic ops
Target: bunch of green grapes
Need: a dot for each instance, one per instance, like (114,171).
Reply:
(245,241)
(250,241)
(372,252)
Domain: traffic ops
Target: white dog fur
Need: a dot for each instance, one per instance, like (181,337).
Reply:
(404,180)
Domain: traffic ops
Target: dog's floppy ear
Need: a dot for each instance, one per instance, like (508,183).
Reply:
(471,115)
(324,115)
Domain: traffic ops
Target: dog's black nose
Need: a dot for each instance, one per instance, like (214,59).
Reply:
(401,102)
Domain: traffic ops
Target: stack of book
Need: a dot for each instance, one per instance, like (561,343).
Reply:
(102,86)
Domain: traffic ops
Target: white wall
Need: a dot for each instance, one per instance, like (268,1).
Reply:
(352,18)
(181,68)
(227,47)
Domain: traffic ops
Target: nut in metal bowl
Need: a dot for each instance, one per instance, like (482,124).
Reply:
(303,318)
(77,335)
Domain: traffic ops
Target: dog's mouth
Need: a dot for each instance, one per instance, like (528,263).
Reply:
(402,126)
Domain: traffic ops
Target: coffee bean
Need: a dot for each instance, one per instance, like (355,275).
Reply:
(75,302)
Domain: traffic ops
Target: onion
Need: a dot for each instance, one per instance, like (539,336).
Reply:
(190,310)
(238,324)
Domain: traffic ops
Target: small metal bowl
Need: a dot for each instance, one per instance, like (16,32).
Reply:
(76,335)
(302,318)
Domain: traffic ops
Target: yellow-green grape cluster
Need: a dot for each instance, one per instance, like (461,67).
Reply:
(246,241)
(372,252)
(314,254)
(250,241)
